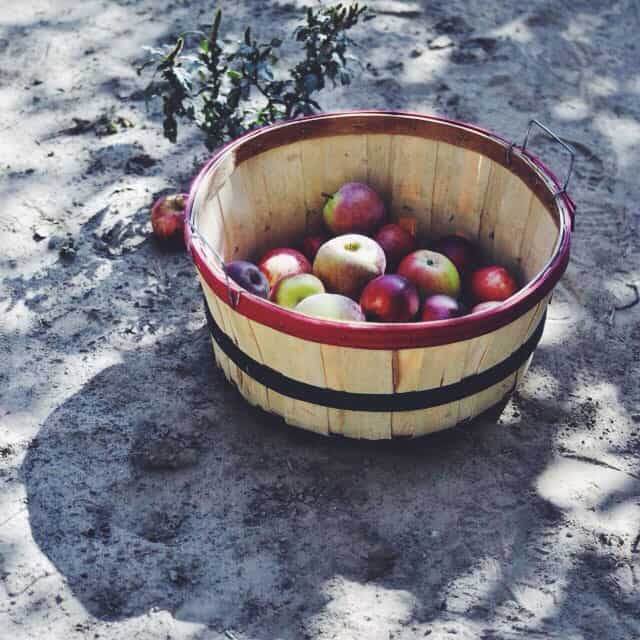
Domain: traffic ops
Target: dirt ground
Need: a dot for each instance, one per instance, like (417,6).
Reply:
(141,498)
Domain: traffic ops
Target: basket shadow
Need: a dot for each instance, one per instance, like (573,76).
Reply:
(225,516)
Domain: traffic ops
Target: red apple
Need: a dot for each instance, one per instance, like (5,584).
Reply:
(248,276)
(492,283)
(282,262)
(460,251)
(311,244)
(292,289)
(390,298)
(485,306)
(441,307)
(431,272)
(167,216)
(354,208)
(345,264)
(396,243)
(332,306)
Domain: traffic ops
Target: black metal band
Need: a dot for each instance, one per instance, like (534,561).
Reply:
(407,401)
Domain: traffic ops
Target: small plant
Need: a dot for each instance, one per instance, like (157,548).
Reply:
(216,88)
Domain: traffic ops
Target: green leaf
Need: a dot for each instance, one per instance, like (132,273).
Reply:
(197,85)
(215,27)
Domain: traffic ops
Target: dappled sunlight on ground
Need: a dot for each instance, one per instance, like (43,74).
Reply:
(140,497)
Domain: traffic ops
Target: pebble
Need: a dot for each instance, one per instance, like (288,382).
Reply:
(441,42)
(40,233)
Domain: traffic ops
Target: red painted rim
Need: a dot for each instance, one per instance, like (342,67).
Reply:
(373,335)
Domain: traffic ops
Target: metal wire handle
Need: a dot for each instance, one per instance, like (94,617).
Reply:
(233,295)
(560,141)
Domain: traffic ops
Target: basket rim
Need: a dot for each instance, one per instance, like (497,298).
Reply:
(377,335)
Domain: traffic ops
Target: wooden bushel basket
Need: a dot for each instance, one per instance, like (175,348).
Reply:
(375,380)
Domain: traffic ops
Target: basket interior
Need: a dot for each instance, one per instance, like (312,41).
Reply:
(271,199)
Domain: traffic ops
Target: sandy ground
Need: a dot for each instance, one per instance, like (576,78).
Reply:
(141,498)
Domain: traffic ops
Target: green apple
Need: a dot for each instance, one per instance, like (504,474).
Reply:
(332,306)
(291,290)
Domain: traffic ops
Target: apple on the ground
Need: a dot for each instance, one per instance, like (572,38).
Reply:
(390,298)
(332,306)
(431,272)
(293,289)
(248,276)
(345,264)
(311,244)
(460,251)
(282,262)
(354,208)
(491,283)
(167,216)
(396,242)
(441,307)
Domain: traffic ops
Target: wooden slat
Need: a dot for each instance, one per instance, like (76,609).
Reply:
(210,222)
(219,311)
(359,371)
(474,181)
(476,350)
(379,164)
(312,153)
(297,359)
(539,240)
(246,341)
(450,164)
(498,177)
(476,404)
(430,368)
(284,183)
(345,160)
(239,217)
(511,220)
(256,192)
(496,347)
(413,164)
(234,325)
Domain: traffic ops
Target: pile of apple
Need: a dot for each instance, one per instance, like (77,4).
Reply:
(363,269)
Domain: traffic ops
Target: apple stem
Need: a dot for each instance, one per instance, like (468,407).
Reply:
(326,195)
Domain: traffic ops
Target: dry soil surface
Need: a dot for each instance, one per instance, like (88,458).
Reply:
(141,498)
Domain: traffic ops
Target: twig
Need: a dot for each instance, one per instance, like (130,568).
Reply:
(230,635)
(600,463)
(12,517)
(81,126)
(407,13)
